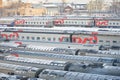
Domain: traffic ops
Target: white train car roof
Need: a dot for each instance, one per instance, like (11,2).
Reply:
(16,67)
(7,18)
(36,61)
(75,30)
(9,44)
(65,75)
(70,57)
(43,48)
(62,28)
(54,28)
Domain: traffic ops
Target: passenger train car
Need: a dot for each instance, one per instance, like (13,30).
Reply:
(40,65)
(7,21)
(50,21)
(65,75)
(76,38)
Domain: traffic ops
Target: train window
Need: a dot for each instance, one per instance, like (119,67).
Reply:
(52,73)
(100,40)
(113,23)
(37,22)
(54,39)
(28,38)
(43,38)
(60,64)
(114,41)
(65,39)
(38,38)
(55,64)
(59,39)
(107,43)
(32,38)
(45,72)
(49,39)
(110,23)
(66,22)
(28,22)
(23,37)
(117,23)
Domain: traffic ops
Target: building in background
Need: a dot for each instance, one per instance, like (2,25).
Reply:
(28,9)
(93,8)
(16,8)
(99,8)
(51,9)
(68,10)
(115,7)
(95,5)
(9,7)
(1,3)
(79,9)
(7,3)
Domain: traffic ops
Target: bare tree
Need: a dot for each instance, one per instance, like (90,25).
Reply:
(11,9)
(115,7)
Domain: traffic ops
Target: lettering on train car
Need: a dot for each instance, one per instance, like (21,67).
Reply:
(60,21)
(15,54)
(100,22)
(90,40)
(14,35)
(17,22)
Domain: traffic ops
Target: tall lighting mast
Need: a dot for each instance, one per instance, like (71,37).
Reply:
(116,7)
(62,6)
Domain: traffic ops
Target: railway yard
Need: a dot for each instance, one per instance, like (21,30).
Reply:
(30,62)
(59,54)
(59,41)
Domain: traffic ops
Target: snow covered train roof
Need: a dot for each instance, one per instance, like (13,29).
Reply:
(75,30)
(65,75)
